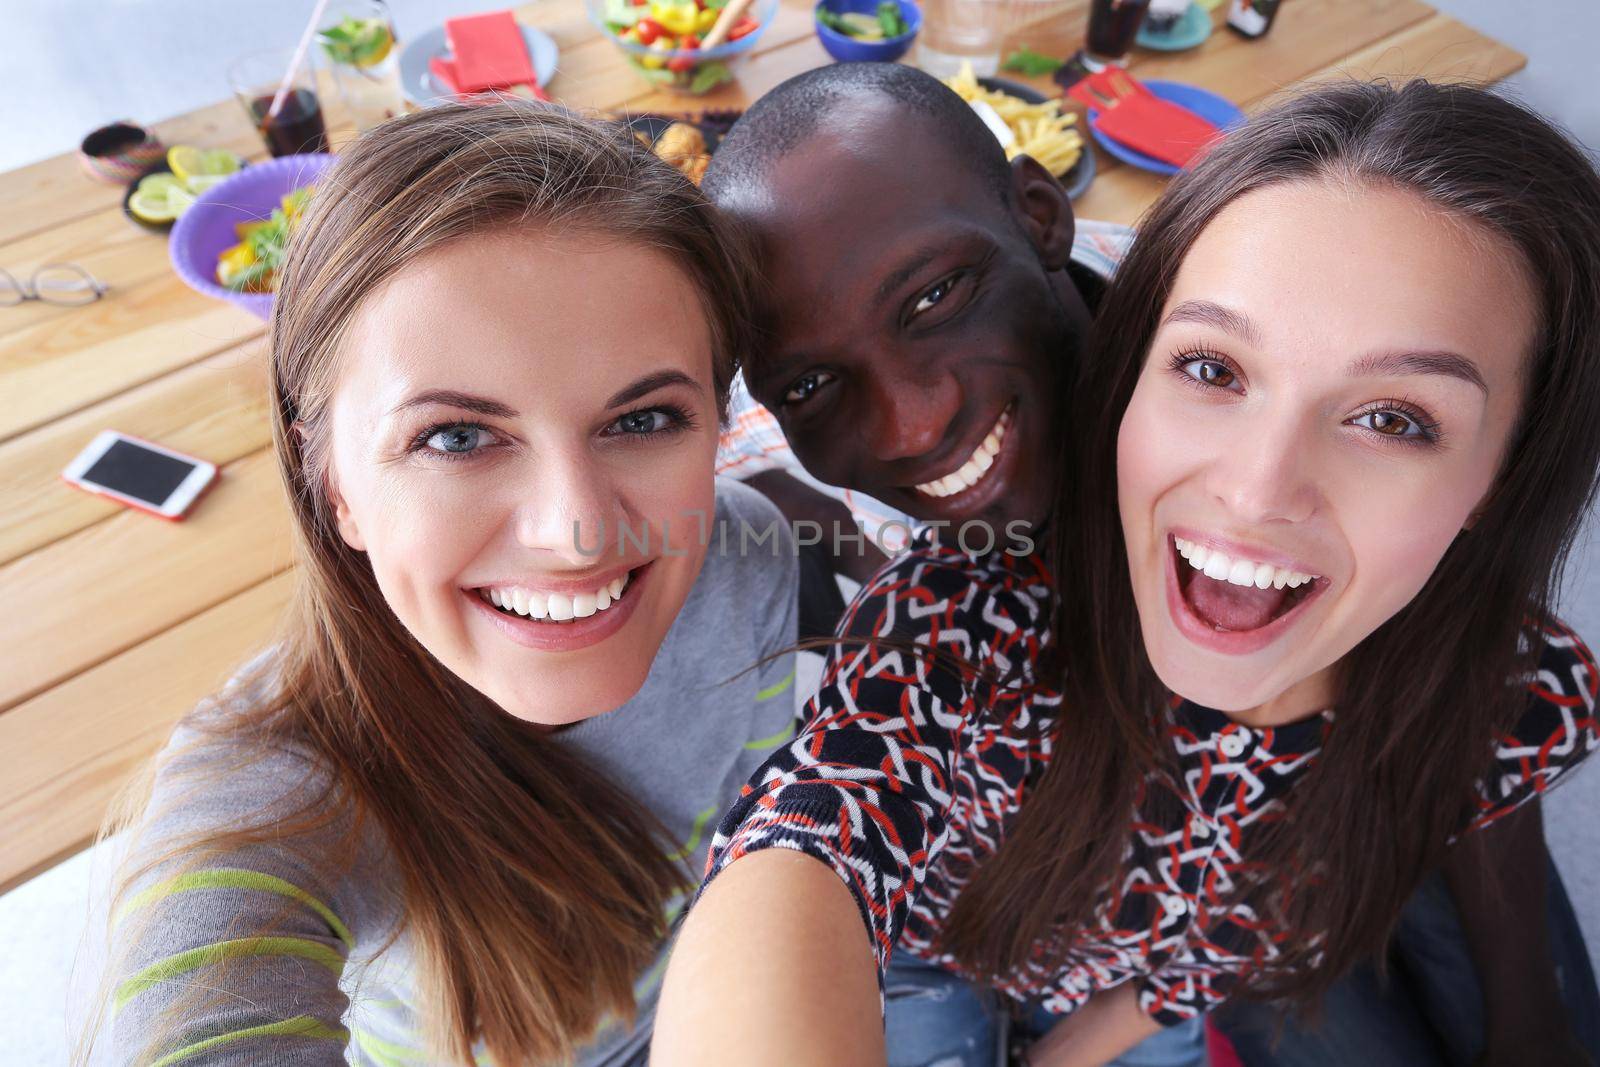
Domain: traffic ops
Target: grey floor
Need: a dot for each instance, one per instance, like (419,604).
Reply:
(67,66)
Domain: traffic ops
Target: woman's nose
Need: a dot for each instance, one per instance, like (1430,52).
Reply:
(570,508)
(1265,474)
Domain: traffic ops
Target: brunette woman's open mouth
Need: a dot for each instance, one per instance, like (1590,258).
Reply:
(1224,599)
(576,615)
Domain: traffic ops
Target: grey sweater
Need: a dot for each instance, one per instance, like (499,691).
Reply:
(315,978)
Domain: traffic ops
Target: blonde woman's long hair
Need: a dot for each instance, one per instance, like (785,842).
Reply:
(534,889)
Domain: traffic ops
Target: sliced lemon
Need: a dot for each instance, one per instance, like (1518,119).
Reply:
(153,206)
(159,184)
(189,162)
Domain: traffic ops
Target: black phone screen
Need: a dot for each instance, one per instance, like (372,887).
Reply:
(138,472)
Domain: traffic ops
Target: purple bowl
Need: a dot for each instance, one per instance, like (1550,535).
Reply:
(205,231)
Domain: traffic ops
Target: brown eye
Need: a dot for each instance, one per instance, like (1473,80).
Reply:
(1389,424)
(1210,372)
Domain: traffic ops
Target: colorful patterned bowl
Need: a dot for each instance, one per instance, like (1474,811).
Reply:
(205,231)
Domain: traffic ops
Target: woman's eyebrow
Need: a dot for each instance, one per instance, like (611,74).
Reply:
(649,384)
(1446,363)
(450,398)
(1205,313)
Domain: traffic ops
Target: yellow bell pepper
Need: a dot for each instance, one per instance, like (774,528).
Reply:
(678,18)
(704,20)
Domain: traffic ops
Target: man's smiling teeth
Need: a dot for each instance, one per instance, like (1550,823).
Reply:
(976,466)
(1224,568)
(557,607)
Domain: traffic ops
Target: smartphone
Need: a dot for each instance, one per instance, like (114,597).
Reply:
(140,474)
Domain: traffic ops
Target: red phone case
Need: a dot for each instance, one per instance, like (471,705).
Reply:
(216,477)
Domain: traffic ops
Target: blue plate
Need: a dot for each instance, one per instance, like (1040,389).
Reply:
(1192,28)
(1080,175)
(1208,105)
(417,83)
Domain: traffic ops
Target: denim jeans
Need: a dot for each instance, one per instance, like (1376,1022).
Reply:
(1182,1045)
(1428,1012)
(936,1019)
(933,1018)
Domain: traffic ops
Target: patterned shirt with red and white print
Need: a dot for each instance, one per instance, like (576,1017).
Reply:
(905,776)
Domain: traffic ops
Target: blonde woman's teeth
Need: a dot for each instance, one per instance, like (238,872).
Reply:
(556,607)
(1224,568)
(977,465)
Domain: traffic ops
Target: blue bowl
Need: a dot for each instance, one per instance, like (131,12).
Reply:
(850,49)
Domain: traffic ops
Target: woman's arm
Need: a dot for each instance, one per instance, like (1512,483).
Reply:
(773,966)
(1107,1026)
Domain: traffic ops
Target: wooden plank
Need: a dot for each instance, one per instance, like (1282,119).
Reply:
(60,366)
(105,589)
(1439,48)
(85,737)
(215,409)
(111,247)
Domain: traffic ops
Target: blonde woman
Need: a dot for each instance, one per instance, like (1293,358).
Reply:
(451,813)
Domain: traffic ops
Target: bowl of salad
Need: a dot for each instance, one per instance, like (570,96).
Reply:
(231,241)
(867,31)
(660,39)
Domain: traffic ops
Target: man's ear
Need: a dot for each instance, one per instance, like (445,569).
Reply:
(342,516)
(1043,210)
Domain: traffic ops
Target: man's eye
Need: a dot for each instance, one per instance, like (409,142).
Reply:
(933,296)
(805,385)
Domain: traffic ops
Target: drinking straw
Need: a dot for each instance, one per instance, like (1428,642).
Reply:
(294,63)
(724,24)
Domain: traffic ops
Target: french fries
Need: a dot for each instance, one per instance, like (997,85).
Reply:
(1042,130)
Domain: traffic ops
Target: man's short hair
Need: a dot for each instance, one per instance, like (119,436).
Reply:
(799,108)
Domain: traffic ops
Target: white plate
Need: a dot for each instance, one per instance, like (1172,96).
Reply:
(417,82)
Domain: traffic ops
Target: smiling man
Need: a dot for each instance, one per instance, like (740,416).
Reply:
(924,300)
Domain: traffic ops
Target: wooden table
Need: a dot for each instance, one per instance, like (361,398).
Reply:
(113,623)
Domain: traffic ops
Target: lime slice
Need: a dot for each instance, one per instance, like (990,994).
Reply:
(201,182)
(358,42)
(863,27)
(188,162)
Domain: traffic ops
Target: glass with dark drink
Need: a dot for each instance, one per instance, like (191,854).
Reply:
(298,124)
(1113,24)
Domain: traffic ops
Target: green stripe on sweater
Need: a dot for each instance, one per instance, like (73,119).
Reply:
(235,878)
(299,1026)
(195,958)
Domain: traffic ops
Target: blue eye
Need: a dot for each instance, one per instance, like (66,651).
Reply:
(458,439)
(651,422)
(643,422)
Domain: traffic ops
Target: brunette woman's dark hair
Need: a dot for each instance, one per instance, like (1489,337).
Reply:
(1421,700)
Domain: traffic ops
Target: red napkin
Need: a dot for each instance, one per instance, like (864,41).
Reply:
(1141,120)
(489,52)
(444,72)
